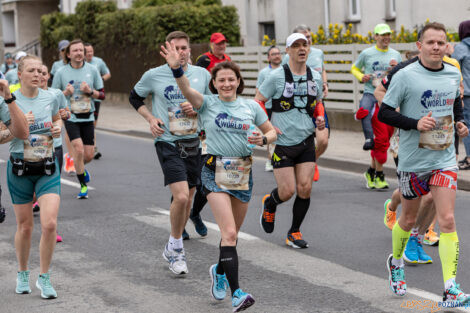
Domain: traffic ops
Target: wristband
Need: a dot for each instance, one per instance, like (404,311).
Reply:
(90,94)
(177,73)
(8,101)
(265,140)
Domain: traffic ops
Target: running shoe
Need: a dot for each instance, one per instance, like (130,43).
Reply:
(423,257)
(97,155)
(411,251)
(185,234)
(268,167)
(390,216)
(431,238)
(370,183)
(199,225)
(87,177)
(44,284)
(176,260)
(2,214)
(454,293)
(316,174)
(368,144)
(69,166)
(267,218)
(295,240)
(219,284)
(380,182)
(396,277)
(59,238)
(36,207)
(83,193)
(22,283)
(241,300)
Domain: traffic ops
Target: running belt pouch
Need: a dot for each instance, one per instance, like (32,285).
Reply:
(188,147)
(23,168)
(82,115)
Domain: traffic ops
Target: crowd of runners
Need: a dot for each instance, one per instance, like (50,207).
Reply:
(205,132)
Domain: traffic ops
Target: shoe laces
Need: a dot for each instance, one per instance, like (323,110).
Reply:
(296,235)
(46,281)
(398,274)
(179,255)
(24,276)
(238,293)
(268,216)
(221,282)
(454,290)
(84,189)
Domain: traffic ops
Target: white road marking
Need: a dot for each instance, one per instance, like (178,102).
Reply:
(73,184)
(2,161)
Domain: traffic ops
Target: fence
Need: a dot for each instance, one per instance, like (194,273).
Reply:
(344,89)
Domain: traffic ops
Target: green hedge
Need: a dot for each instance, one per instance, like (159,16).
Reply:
(149,3)
(100,23)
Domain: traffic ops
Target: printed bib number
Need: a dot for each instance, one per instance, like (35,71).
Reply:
(232,173)
(439,138)
(203,146)
(180,123)
(37,148)
(80,104)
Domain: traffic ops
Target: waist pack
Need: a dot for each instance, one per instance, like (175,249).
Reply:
(187,147)
(23,168)
(82,115)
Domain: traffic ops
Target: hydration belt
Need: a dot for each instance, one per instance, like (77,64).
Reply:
(21,167)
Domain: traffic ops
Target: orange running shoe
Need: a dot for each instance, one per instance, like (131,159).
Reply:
(267,218)
(316,175)
(295,240)
(69,166)
(390,216)
(431,238)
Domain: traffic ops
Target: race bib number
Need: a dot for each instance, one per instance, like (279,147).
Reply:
(232,173)
(38,147)
(180,123)
(203,147)
(439,138)
(80,104)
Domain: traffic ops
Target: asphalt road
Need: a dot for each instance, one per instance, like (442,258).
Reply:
(110,260)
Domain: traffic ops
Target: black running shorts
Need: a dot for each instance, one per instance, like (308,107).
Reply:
(175,168)
(289,156)
(83,130)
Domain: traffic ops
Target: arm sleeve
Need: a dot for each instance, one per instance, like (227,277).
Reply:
(203,61)
(357,72)
(388,115)
(135,100)
(458,111)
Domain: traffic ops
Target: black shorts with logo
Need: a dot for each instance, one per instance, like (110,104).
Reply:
(175,168)
(83,130)
(289,156)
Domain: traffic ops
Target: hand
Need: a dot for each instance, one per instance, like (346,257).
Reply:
(462,130)
(393,62)
(170,54)
(85,88)
(278,131)
(55,130)
(69,90)
(155,127)
(187,108)
(256,138)
(366,78)
(64,114)
(320,121)
(30,117)
(4,89)
(426,122)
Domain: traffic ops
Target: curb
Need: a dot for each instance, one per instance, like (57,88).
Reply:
(328,162)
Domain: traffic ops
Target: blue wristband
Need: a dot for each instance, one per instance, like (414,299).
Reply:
(177,73)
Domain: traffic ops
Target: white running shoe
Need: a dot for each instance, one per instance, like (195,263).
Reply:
(176,260)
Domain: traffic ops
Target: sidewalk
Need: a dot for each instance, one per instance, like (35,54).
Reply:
(344,150)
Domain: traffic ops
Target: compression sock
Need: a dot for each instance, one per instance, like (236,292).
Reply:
(399,239)
(273,201)
(220,267)
(449,254)
(200,201)
(81,179)
(229,261)
(299,211)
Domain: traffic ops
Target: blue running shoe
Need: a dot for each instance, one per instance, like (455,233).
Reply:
(185,234)
(87,177)
(396,277)
(22,283)
(423,257)
(241,300)
(411,251)
(201,229)
(219,284)
(83,193)
(44,284)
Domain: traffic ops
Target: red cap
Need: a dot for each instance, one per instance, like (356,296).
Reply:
(217,37)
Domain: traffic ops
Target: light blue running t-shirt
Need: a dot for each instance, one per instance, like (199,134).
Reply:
(315,59)
(167,97)
(12,77)
(101,67)
(62,103)
(261,77)
(416,91)
(227,124)
(376,62)
(295,125)
(79,102)
(56,66)
(44,106)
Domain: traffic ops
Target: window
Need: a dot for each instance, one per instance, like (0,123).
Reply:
(8,24)
(391,12)
(354,13)
(267,28)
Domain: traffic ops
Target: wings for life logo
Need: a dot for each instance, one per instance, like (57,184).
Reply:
(432,99)
(172,93)
(223,120)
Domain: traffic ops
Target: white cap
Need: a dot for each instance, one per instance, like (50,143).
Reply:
(293,38)
(19,55)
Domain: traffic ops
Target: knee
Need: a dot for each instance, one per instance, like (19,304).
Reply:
(78,151)
(88,157)
(230,237)
(304,189)
(408,221)
(181,199)
(286,193)
(25,228)
(49,227)
(447,222)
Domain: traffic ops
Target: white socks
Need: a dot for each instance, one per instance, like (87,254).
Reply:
(174,243)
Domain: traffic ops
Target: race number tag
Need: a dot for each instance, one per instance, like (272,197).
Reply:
(37,147)
(180,123)
(203,146)
(440,137)
(232,173)
(80,104)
